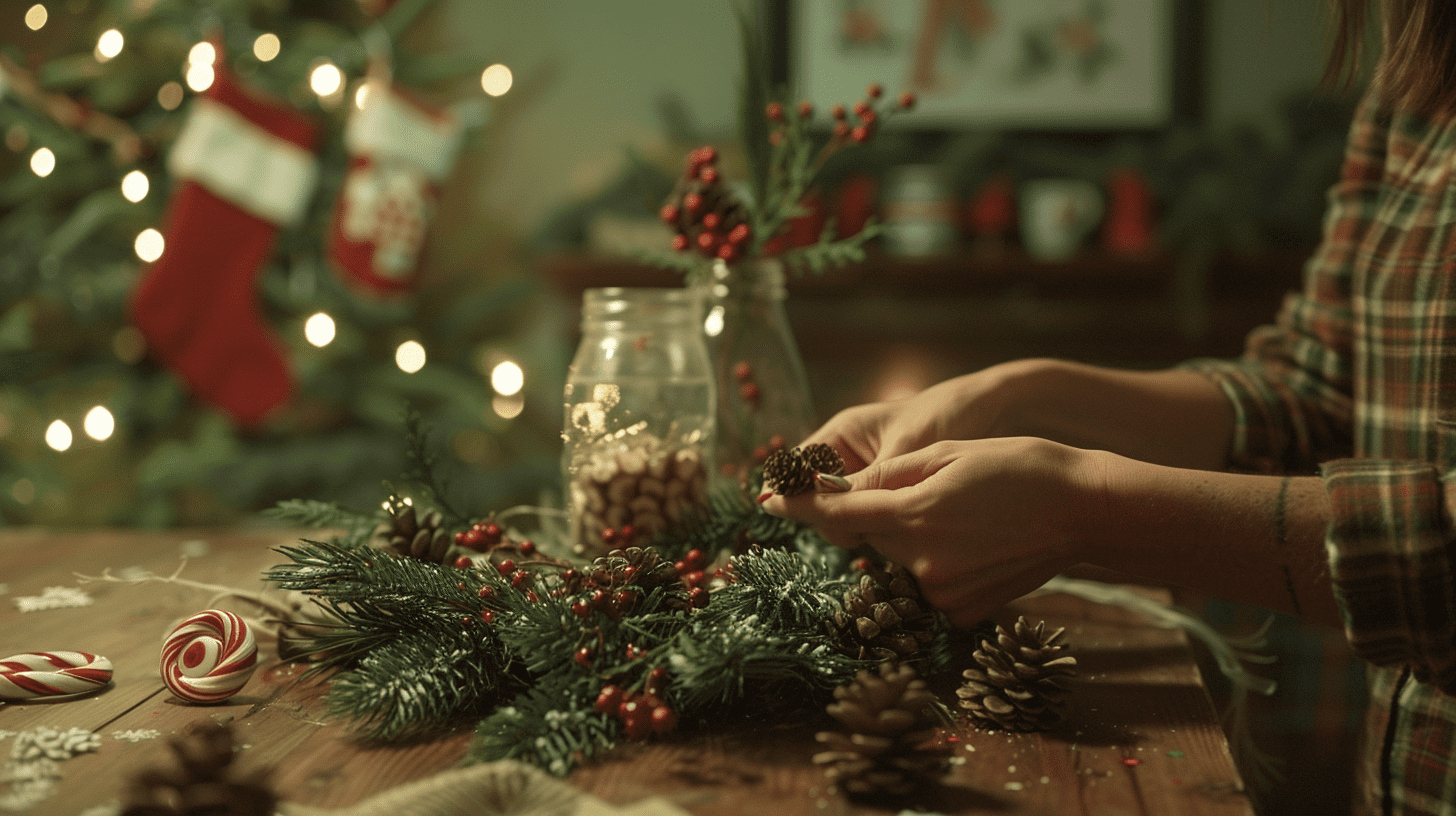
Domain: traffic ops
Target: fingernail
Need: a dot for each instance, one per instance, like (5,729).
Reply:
(764,496)
(829,483)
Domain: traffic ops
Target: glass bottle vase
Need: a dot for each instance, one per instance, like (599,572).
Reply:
(763,390)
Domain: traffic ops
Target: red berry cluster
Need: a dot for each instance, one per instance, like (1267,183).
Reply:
(867,114)
(690,572)
(707,216)
(775,443)
(488,537)
(612,602)
(641,713)
(747,385)
(624,536)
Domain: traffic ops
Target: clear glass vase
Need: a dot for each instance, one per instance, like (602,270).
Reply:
(763,390)
(640,407)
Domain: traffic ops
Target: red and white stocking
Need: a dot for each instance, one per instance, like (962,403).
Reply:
(243,165)
(400,150)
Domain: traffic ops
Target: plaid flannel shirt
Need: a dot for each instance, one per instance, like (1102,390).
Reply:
(1356,380)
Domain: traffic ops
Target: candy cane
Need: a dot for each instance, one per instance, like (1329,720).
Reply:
(209,656)
(52,674)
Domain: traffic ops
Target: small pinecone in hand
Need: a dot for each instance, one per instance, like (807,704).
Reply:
(888,720)
(413,534)
(1021,685)
(885,617)
(202,783)
(790,471)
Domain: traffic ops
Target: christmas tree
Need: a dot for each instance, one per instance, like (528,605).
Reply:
(234,253)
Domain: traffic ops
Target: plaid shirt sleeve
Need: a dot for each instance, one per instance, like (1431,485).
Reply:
(1391,556)
(1291,390)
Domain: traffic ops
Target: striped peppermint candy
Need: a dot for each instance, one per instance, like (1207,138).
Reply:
(52,674)
(209,656)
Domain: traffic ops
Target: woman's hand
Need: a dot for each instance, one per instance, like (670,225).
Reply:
(979,523)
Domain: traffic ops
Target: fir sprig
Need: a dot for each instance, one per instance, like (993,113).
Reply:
(313,514)
(784,591)
(551,726)
(719,666)
(423,468)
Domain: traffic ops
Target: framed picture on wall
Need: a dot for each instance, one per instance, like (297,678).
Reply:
(997,63)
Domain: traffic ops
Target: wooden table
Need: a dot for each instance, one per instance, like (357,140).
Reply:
(1142,738)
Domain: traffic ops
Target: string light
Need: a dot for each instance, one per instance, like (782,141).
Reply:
(169,96)
(319,330)
(507,378)
(99,424)
(109,44)
(42,162)
(36,16)
(507,407)
(150,244)
(266,47)
(410,356)
(326,79)
(134,186)
(200,76)
(361,94)
(496,79)
(58,436)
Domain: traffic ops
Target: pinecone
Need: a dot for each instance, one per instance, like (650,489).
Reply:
(786,473)
(885,617)
(1021,685)
(643,568)
(822,458)
(413,534)
(203,783)
(888,719)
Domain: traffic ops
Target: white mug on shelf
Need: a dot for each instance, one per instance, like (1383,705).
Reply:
(1056,216)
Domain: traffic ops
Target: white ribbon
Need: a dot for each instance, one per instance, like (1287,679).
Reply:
(241,162)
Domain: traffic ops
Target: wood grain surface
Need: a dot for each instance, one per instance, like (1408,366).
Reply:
(1142,736)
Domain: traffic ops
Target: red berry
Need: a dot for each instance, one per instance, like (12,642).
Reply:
(634,651)
(460,538)
(464,562)
(528,547)
(637,724)
(861,564)
(532,596)
(664,720)
(609,535)
(694,578)
(655,679)
(471,538)
(743,370)
(776,442)
(775,111)
(669,213)
(711,220)
(681,567)
(749,392)
(600,599)
(707,239)
(860,107)
(875,90)
(628,573)
(739,234)
(841,129)
(727,252)
(693,202)
(580,609)
(838,112)
(907,99)
(609,699)
(806,109)
(868,117)
(695,558)
(860,133)
(492,532)
(583,656)
(487,616)
(776,138)
(698,597)
(708,175)
(706,154)
(487,592)
(628,532)
(679,242)
(520,578)
(506,567)
(760,454)
(624,598)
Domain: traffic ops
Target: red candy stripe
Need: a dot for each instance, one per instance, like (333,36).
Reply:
(52,674)
(209,657)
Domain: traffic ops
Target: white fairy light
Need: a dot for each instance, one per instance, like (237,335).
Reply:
(42,162)
(326,79)
(410,356)
(169,96)
(150,244)
(36,16)
(496,79)
(58,436)
(200,76)
(267,46)
(135,186)
(109,44)
(507,378)
(202,53)
(507,407)
(361,94)
(99,424)
(318,330)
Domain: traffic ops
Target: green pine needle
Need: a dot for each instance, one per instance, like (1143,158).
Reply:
(551,726)
(316,514)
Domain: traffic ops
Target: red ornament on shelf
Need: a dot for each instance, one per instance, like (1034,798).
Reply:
(1128,229)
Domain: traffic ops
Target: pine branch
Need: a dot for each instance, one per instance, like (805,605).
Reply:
(753,94)
(718,666)
(784,591)
(422,468)
(551,726)
(828,253)
(317,514)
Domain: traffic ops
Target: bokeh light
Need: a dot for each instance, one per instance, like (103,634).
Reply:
(496,79)
(410,356)
(58,436)
(267,47)
(202,53)
(326,79)
(318,330)
(150,244)
(42,162)
(507,378)
(169,96)
(109,44)
(135,186)
(99,424)
(200,76)
(36,16)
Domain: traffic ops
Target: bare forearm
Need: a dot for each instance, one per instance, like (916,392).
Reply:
(1255,539)
(1172,417)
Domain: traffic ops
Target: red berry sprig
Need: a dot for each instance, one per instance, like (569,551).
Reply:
(640,712)
(705,214)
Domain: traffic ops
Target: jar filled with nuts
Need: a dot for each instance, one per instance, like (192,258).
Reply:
(639,416)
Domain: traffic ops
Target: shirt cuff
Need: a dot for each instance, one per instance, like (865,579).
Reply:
(1257,444)
(1390,550)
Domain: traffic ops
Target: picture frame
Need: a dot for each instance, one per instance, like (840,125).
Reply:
(1027,64)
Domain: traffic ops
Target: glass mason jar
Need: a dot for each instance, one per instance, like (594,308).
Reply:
(763,390)
(640,408)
